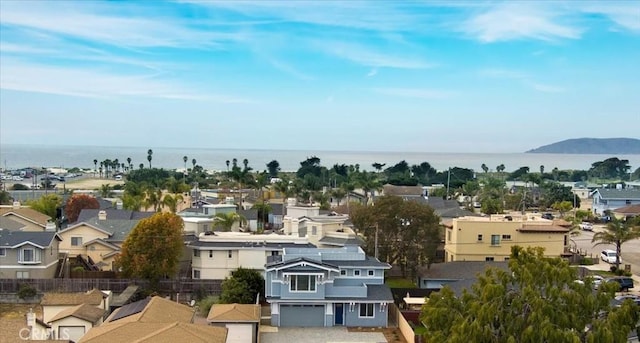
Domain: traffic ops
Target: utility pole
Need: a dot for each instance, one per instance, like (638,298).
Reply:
(448,181)
(375,253)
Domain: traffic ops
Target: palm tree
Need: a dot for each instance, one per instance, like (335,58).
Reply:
(369,184)
(95,167)
(484,167)
(263,213)
(227,162)
(172,201)
(245,162)
(106,191)
(153,198)
(378,166)
(149,153)
(338,194)
(129,163)
(184,175)
(541,169)
(141,166)
(617,232)
(227,220)
(193,162)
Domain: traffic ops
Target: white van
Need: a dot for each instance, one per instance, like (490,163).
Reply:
(118,177)
(609,256)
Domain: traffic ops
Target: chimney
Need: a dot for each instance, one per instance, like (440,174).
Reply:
(16,205)
(118,205)
(102,215)
(51,226)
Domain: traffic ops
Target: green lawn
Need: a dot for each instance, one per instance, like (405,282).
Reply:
(400,283)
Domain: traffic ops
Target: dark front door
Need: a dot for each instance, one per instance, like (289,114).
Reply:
(339,313)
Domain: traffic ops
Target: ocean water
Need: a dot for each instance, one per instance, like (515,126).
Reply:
(14,156)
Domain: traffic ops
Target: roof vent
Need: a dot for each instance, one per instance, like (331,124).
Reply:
(16,205)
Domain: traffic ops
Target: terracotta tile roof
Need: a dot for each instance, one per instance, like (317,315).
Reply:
(26,213)
(93,297)
(157,310)
(86,312)
(543,228)
(233,313)
(155,333)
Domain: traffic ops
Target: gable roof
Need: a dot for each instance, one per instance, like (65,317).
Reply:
(251,214)
(85,312)
(90,214)
(27,214)
(93,297)
(619,194)
(116,229)
(300,261)
(155,333)
(7,223)
(40,239)
(152,310)
(460,270)
(234,313)
(628,210)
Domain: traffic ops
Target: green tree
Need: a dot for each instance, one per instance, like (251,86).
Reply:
(484,168)
(263,213)
(562,207)
(5,198)
(77,203)
(227,220)
(172,201)
(537,300)
(47,204)
(95,167)
(378,166)
(611,168)
(408,231)
(273,167)
(617,232)
(153,248)
(243,287)
(149,157)
(106,191)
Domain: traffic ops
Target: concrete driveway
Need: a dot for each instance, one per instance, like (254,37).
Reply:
(320,335)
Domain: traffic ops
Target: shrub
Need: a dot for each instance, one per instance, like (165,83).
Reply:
(205,304)
(586,261)
(26,292)
(20,187)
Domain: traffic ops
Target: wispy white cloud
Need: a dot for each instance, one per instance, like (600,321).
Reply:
(419,93)
(530,20)
(624,14)
(521,77)
(545,88)
(372,72)
(75,81)
(290,70)
(369,57)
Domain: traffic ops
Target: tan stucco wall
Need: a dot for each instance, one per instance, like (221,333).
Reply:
(86,232)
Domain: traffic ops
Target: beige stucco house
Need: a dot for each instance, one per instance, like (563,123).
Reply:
(242,321)
(491,238)
(71,315)
(28,254)
(323,230)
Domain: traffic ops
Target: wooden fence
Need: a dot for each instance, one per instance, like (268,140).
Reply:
(213,287)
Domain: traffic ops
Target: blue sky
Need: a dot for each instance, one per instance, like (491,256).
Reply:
(465,76)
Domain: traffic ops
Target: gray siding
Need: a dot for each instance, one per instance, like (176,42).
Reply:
(352,318)
(48,257)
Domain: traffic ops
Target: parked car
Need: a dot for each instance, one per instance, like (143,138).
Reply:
(626,283)
(609,256)
(586,226)
(547,216)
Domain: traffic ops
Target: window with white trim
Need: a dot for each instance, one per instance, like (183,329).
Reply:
(506,237)
(479,238)
(370,272)
(29,255)
(196,253)
(196,274)
(495,239)
(314,230)
(3,252)
(22,275)
(366,311)
(302,283)
(76,241)
(356,272)
(343,272)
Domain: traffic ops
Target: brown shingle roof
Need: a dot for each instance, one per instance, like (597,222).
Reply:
(628,210)
(93,297)
(402,190)
(158,310)
(86,312)
(26,213)
(173,332)
(233,313)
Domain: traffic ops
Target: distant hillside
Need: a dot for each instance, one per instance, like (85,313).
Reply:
(591,146)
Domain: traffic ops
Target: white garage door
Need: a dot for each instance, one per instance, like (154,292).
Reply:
(239,333)
(72,333)
(302,315)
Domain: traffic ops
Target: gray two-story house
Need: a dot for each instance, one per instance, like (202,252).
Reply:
(28,254)
(611,199)
(327,287)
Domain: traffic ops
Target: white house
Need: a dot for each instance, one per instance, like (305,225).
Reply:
(217,254)
(323,230)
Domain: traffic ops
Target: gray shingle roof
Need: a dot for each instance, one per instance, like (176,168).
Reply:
(379,293)
(459,270)
(10,239)
(369,262)
(249,214)
(10,224)
(88,214)
(341,241)
(621,194)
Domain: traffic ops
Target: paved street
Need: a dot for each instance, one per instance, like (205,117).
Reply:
(630,250)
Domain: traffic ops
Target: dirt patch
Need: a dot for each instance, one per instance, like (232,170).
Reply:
(90,183)
(393,335)
(13,321)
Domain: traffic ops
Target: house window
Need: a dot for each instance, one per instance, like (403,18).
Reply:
(302,283)
(22,275)
(495,239)
(479,238)
(506,237)
(3,252)
(76,241)
(488,259)
(230,254)
(205,227)
(29,255)
(370,272)
(210,253)
(196,253)
(356,272)
(343,272)
(449,236)
(196,274)
(275,253)
(314,230)
(366,310)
